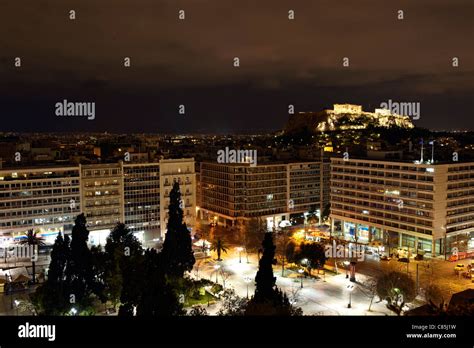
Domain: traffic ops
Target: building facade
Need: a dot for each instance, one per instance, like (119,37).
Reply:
(417,207)
(237,192)
(183,172)
(47,199)
(141,183)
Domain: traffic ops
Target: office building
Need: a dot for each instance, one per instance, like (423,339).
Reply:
(234,193)
(421,207)
(47,199)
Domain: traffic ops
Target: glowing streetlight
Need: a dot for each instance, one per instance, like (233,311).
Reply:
(346,264)
(247,280)
(73,311)
(17,303)
(301,271)
(305,262)
(239,249)
(350,288)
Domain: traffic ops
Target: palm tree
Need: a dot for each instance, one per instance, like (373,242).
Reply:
(219,246)
(33,240)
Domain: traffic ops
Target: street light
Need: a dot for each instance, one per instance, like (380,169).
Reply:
(247,280)
(350,288)
(239,249)
(301,271)
(305,262)
(216,267)
(17,303)
(346,264)
(73,311)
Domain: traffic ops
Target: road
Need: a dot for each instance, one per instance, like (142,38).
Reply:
(327,296)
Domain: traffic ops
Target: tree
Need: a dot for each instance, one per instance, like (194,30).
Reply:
(123,257)
(224,275)
(396,288)
(314,253)
(312,217)
(51,297)
(204,233)
(158,298)
(390,239)
(434,297)
(290,252)
(35,242)
(265,281)
(219,247)
(268,299)
(232,305)
(80,275)
(326,212)
(198,311)
(283,240)
(254,233)
(177,253)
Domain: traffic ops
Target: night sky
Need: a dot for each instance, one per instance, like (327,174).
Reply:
(190,62)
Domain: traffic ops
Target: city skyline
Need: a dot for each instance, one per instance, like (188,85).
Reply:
(190,171)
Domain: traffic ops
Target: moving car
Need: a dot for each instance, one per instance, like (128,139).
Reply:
(459,267)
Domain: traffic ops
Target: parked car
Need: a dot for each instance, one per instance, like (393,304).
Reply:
(385,258)
(404,259)
(459,267)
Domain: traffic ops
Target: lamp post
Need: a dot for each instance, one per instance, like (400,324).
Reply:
(346,264)
(305,263)
(10,288)
(17,303)
(239,249)
(216,267)
(350,288)
(301,271)
(247,280)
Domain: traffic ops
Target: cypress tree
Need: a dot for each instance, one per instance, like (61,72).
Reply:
(158,297)
(177,253)
(123,268)
(265,280)
(51,297)
(268,299)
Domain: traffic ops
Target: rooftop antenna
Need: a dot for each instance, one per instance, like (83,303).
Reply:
(432,150)
(421,142)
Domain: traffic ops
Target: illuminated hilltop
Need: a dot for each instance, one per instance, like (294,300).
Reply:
(345,116)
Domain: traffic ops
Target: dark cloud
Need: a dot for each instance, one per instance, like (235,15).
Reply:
(177,62)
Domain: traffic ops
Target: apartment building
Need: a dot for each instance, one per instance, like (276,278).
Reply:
(183,172)
(47,199)
(415,206)
(102,198)
(237,192)
(141,183)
